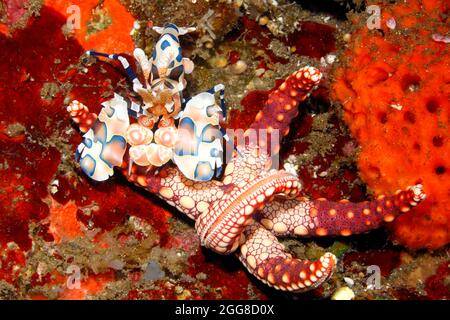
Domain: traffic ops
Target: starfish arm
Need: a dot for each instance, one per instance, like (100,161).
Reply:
(267,260)
(219,227)
(246,165)
(327,218)
(81,116)
(190,197)
(281,106)
(216,205)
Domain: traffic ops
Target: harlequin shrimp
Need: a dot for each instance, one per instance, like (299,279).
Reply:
(199,152)
(168,67)
(163,74)
(198,140)
(103,145)
(195,145)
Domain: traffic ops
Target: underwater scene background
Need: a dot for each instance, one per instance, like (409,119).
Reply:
(376,122)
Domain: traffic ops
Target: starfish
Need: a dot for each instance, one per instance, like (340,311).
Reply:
(253,204)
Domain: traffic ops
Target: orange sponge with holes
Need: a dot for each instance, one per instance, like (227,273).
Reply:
(394,85)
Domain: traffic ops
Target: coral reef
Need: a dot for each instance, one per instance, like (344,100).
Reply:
(393,84)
